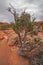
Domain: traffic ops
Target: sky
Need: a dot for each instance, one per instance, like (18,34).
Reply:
(34,7)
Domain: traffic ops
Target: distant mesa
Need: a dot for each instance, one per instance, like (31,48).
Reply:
(39,22)
(3,23)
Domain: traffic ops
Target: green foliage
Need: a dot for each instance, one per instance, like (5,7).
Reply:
(23,23)
(17,27)
(36,39)
(25,17)
(30,26)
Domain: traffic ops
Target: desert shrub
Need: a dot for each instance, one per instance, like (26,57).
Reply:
(25,25)
(22,23)
(38,59)
(26,48)
(36,39)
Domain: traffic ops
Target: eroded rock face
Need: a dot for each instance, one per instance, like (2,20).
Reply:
(10,36)
(12,40)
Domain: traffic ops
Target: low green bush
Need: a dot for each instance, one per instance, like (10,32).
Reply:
(4,27)
(36,39)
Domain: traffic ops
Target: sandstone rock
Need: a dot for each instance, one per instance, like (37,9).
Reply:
(12,40)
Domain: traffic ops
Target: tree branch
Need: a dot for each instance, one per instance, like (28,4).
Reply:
(19,40)
(25,36)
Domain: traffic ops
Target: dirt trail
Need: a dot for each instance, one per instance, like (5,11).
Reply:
(4,52)
(15,59)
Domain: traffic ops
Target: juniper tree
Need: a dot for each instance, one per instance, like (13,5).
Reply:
(21,23)
(24,23)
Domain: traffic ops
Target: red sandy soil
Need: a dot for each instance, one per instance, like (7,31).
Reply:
(8,54)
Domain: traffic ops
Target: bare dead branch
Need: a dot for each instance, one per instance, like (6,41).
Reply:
(11,6)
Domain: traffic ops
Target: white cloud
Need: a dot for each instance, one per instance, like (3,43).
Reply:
(32,6)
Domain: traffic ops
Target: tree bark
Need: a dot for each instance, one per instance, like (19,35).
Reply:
(19,40)
(25,36)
